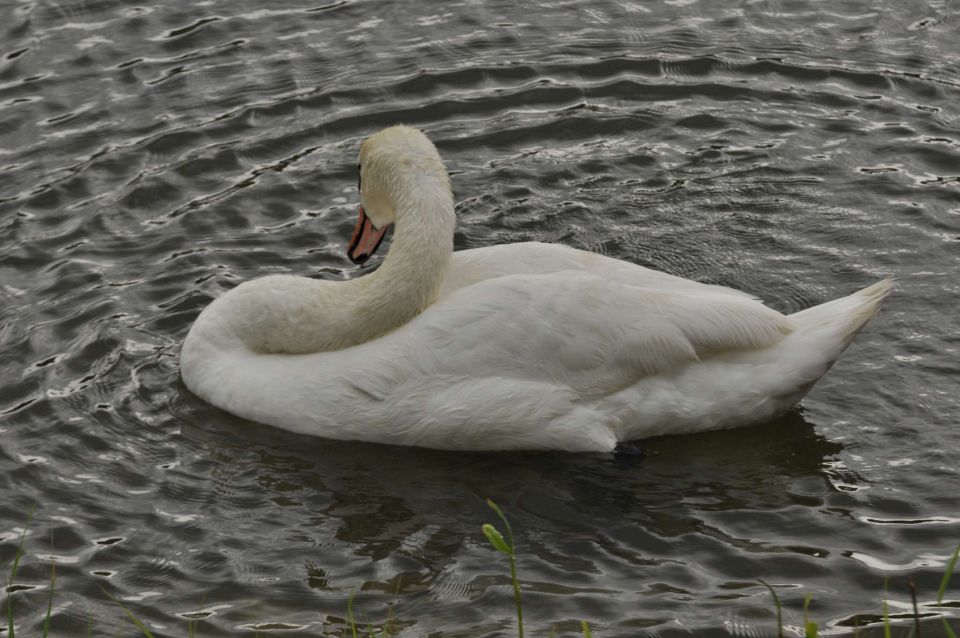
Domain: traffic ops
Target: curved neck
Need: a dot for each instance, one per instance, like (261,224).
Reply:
(413,271)
(295,315)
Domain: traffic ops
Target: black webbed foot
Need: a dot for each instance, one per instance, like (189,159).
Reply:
(627,451)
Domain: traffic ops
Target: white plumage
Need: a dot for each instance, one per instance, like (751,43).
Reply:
(518,346)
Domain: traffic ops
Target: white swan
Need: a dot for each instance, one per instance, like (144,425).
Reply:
(520,346)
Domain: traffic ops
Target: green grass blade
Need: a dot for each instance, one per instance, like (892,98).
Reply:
(776,601)
(947,574)
(912,586)
(585,628)
(503,518)
(516,594)
(951,565)
(810,628)
(353,623)
(496,508)
(13,573)
(9,583)
(136,621)
(496,539)
(53,586)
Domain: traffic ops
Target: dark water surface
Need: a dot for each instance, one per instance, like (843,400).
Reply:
(152,157)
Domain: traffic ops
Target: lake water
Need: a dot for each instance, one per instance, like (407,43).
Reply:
(152,157)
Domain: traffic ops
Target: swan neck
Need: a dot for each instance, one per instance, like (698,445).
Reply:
(413,271)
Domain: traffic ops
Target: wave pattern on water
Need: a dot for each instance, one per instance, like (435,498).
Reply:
(153,157)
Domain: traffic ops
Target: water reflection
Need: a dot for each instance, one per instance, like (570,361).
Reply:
(400,526)
(151,158)
(716,470)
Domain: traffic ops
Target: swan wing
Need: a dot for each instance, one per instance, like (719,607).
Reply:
(468,267)
(590,334)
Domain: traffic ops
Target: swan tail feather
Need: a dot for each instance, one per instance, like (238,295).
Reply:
(844,317)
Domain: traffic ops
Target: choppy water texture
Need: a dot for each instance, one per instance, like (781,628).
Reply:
(152,157)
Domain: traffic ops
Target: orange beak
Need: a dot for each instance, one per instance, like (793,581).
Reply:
(365,240)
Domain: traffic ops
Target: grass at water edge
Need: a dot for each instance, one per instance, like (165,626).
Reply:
(503,545)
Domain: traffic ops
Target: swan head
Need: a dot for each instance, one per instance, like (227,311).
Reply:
(397,165)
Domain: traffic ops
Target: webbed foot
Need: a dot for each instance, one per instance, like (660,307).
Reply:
(626,450)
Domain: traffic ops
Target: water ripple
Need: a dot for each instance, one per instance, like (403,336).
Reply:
(153,157)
